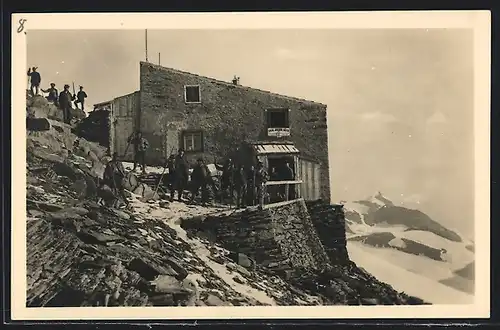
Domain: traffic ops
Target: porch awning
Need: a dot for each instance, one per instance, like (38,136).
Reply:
(276,149)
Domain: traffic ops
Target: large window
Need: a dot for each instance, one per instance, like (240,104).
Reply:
(277,118)
(192,94)
(192,141)
(278,123)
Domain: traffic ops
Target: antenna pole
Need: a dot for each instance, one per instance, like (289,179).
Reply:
(159,58)
(146,42)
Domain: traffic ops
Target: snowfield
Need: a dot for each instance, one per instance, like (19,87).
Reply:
(416,274)
(404,280)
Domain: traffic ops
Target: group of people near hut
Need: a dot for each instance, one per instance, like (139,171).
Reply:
(236,182)
(243,184)
(64,100)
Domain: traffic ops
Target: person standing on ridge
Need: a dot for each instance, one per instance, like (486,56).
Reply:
(53,93)
(140,147)
(65,100)
(35,80)
(80,98)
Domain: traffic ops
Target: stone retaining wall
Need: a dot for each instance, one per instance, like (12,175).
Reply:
(329,222)
(281,237)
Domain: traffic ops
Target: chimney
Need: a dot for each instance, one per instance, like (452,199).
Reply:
(236,80)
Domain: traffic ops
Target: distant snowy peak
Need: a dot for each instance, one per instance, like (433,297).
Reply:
(356,211)
(378,212)
(375,201)
(381,200)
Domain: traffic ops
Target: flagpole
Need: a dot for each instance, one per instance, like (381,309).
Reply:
(146,42)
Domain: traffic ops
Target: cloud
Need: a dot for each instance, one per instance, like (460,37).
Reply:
(378,116)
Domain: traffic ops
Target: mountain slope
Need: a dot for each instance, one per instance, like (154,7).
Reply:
(81,252)
(413,219)
(410,240)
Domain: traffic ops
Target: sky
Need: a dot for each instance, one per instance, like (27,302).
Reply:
(400,101)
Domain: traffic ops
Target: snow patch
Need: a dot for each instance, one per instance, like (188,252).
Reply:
(171,216)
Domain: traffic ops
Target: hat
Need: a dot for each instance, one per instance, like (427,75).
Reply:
(81,86)
(52,84)
(66,86)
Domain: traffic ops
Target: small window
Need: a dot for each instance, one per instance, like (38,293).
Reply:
(192,141)
(277,118)
(192,94)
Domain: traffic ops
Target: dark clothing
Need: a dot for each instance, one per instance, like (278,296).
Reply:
(140,147)
(35,78)
(227,177)
(67,116)
(65,99)
(169,180)
(80,98)
(181,167)
(140,144)
(133,141)
(35,81)
(240,183)
(114,173)
(181,176)
(200,179)
(53,94)
(261,175)
(251,187)
(140,158)
(81,102)
(200,173)
(143,144)
(169,183)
